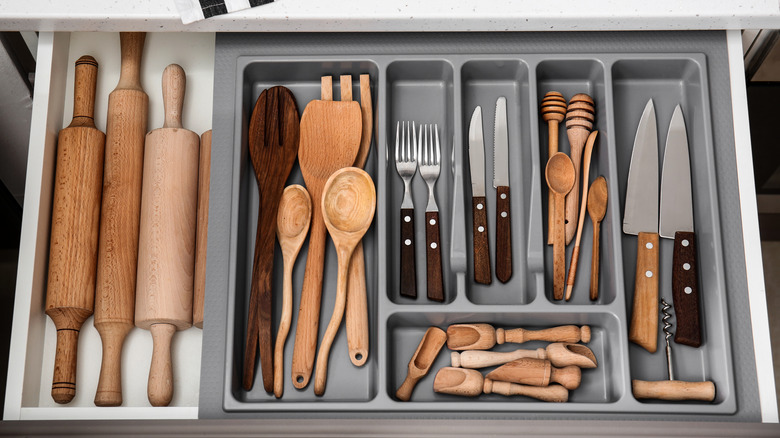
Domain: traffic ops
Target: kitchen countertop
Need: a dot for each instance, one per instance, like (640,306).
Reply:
(395,15)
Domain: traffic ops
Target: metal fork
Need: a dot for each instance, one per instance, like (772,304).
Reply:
(430,167)
(406,166)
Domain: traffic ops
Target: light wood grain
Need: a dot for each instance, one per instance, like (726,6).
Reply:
(560,176)
(564,333)
(673,390)
(597,208)
(126,124)
(552,393)
(484,359)
(202,229)
(643,330)
(166,255)
(422,360)
(470,337)
(458,381)
(553,112)
(563,354)
(580,116)
(537,372)
(70,295)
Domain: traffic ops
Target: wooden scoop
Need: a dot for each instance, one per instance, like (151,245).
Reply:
(597,208)
(470,383)
(348,205)
(292,228)
(553,112)
(579,122)
(421,361)
(537,372)
(484,336)
(563,354)
(560,176)
(330,140)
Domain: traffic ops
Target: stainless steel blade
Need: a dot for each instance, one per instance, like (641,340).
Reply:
(676,194)
(477,154)
(641,212)
(500,146)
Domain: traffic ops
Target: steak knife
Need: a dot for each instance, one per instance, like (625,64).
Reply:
(482,272)
(641,218)
(501,183)
(676,223)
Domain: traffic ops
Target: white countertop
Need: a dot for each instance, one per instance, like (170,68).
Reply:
(396,15)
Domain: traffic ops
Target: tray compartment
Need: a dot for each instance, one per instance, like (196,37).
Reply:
(482,82)
(569,77)
(419,90)
(345,382)
(604,384)
(670,81)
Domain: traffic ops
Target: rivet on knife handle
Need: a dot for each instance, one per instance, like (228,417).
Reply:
(503,235)
(685,289)
(482,272)
(433,252)
(408,274)
(644,317)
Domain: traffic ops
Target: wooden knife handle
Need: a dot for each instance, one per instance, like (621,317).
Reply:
(160,386)
(433,253)
(673,390)
(685,289)
(503,234)
(408,274)
(357,308)
(482,272)
(644,317)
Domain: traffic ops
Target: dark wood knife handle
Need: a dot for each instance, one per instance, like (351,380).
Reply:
(433,253)
(685,289)
(503,234)
(481,248)
(408,275)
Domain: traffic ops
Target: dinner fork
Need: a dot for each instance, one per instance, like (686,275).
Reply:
(430,167)
(406,166)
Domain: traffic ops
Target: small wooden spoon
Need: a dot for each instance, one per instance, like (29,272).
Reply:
(348,204)
(291,230)
(597,208)
(430,345)
(560,177)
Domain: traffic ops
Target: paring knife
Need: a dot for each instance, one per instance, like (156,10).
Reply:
(501,183)
(479,207)
(641,218)
(677,223)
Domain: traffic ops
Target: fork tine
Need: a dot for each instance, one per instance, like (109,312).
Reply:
(412,148)
(397,138)
(421,146)
(438,145)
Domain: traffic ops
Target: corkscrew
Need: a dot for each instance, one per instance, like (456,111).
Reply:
(667,335)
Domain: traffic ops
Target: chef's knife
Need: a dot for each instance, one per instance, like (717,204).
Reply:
(641,218)
(479,207)
(501,183)
(677,223)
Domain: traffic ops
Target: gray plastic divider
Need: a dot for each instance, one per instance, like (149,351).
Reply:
(435,78)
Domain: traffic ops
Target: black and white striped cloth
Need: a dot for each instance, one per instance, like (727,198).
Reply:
(196,10)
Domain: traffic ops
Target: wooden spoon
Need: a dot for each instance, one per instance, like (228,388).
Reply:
(430,345)
(330,140)
(348,204)
(292,228)
(273,145)
(560,177)
(597,208)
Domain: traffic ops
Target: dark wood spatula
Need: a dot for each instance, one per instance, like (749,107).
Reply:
(273,146)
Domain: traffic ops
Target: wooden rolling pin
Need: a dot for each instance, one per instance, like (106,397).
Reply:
(673,390)
(559,354)
(470,383)
(484,336)
(78,178)
(128,110)
(166,256)
(201,239)
(537,372)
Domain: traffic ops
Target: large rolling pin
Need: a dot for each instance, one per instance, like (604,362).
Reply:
(484,336)
(201,241)
(166,256)
(128,109)
(70,295)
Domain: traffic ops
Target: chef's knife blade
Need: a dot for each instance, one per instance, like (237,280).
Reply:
(482,272)
(677,222)
(641,218)
(501,183)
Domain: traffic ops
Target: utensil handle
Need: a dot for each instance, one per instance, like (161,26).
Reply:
(160,386)
(552,393)
(559,247)
(482,272)
(109,390)
(644,317)
(484,359)
(408,275)
(357,308)
(174,81)
(575,258)
(594,263)
(685,289)
(404,392)
(564,333)
(84,92)
(673,390)
(63,387)
(552,149)
(433,253)
(132,47)
(284,329)
(503,234)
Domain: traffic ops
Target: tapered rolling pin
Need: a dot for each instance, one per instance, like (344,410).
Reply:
(128,109)
(166,256)
(470,383)
(537,372)
(484,336)
(559,354)
(201,239)
(70,295)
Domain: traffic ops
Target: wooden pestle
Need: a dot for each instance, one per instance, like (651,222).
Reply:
(70,295)
(560,354)
(470,383)
(202,227)
(580,116)
(553,112)
(537,372)
(128,110)
(166,255)
(484,336)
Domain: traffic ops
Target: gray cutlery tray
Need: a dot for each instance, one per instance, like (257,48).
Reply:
(440,78)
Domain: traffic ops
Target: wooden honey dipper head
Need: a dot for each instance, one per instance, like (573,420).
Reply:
(581,113)
(553,107)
